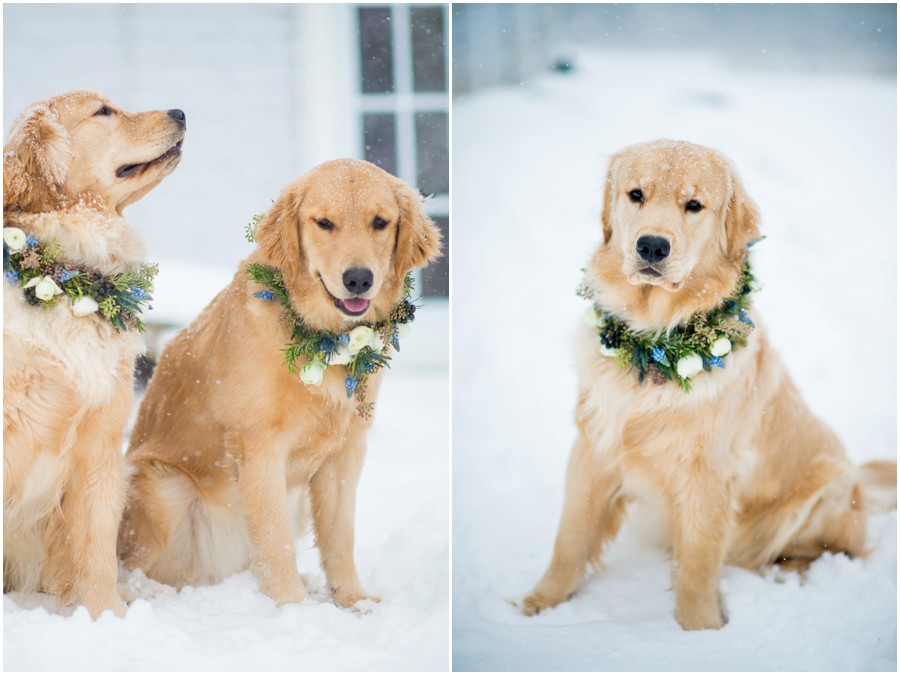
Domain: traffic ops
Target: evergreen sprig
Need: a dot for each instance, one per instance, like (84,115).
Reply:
(310,348)
(657,356)
(120,298)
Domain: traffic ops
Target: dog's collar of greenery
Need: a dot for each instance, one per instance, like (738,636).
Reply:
(362,350)
(697,345)
(44,276)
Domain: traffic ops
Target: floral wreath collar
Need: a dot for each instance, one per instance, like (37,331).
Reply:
(43,275)
(362,351)
(697,345)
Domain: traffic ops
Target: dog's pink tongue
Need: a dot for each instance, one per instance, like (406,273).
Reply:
(356,304)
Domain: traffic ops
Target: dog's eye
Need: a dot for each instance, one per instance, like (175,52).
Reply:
(325,224)
(105,110)
(379,223)
(693,206)
(636,196)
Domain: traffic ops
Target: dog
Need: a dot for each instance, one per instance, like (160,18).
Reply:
(684,405)
(229,431)
(72,164)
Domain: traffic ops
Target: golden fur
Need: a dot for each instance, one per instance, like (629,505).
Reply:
(67,381)
(226,435)
(746,473)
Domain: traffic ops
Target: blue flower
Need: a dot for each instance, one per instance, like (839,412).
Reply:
(350,385)
(371,367)
(139,293)
(344,339)
(65,275)
(659,355)
(745,318)
(327,344)
(716,361)
(264,295)
(31,241)
(12,275)
(395,338)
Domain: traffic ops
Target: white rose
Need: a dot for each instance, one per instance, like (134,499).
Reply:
(376,342)
(403,329)
(84,306)
(312,372)
(720,347)
(688,366)
(606,351)
(14,238)
(44,287)
(360,337)
(341,357)
(593,318)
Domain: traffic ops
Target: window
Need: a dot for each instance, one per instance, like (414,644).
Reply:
(404,107)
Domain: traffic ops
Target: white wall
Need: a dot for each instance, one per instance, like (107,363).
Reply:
(267,90)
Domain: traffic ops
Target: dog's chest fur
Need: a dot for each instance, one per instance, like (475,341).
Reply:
(657,429)
(88,349)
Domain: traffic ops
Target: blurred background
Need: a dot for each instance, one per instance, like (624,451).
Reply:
(803,99)
(269,90)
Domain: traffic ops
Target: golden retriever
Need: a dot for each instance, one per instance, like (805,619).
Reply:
(226,434)
(72,163)
(743,471)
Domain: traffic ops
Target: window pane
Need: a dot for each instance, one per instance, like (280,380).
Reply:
(375,50)
(432,155)
(380,140)
(436,277)
(428,47)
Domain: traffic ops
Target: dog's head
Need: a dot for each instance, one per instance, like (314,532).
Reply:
(675,219)
(345,235)
(80,146)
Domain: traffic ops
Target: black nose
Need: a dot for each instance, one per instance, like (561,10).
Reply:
(653,249)
(358,280)
(177,114)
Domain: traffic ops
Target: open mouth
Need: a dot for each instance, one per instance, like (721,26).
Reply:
(349,306)
(129,170)
(650,272)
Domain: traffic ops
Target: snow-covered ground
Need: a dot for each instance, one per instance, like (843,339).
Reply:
(402,553)
(818,154)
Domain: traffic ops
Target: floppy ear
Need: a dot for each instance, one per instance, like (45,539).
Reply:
(418,240)
(607,201)
(278,233)
(35,161)
(741,221)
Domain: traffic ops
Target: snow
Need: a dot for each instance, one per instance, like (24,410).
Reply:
(402,554)
(817,152)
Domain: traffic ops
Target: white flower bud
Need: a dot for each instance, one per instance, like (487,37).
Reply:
(360,337)
(84,306)
(14,238)
(341,357)
(312,372)
(44,287)
(688,366)
(720,347)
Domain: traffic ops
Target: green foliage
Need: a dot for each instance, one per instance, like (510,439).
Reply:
(308,344)
(120,296)
(657,355)
(250,228)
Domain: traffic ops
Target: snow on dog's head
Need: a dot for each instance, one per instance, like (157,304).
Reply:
(676,225)
(80,146)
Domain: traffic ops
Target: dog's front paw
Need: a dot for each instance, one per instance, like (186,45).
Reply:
(97,605)
(703,614)
(286,591)
(538,601)
(352,597)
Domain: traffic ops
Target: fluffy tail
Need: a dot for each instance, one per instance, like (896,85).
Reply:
(879,483)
